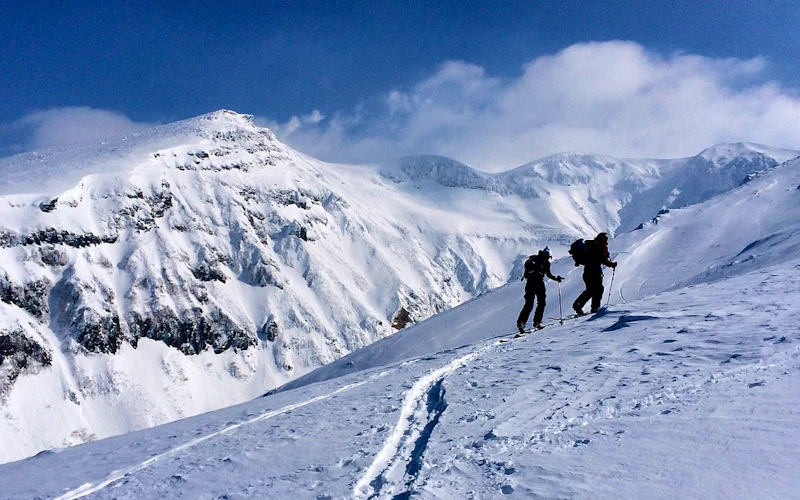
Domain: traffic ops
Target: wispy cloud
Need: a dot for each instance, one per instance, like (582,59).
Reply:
(614,98)
(72,125)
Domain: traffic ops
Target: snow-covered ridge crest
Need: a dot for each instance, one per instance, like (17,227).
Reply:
(443,170)
(53,171)
(226,264)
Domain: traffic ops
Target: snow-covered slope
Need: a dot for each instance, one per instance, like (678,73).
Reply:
(750,228)
(694,180)
(685,387)
(202,263)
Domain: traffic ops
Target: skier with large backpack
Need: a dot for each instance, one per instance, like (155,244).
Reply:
(536,268)
(592,255)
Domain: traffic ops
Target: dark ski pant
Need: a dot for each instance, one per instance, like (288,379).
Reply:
(594,290)
(534,290)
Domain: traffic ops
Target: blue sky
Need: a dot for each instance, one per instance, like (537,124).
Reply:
(493,84)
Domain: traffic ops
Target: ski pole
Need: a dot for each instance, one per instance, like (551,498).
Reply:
(560,313)
(613,272)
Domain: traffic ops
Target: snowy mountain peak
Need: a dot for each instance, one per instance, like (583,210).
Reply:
(570,168)
(226,116)
(214,125)
(53,171)
(722,155)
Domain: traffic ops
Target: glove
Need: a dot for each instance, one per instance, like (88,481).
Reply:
(559,278)
(613,265)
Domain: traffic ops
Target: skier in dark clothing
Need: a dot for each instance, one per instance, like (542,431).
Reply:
(536,268)
(596,256)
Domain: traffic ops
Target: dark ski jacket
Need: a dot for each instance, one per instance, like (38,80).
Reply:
(537,267)
(596,256)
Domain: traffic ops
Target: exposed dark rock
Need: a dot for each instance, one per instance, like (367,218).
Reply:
(48,206)
(143,213)
(52,256)
(205,272)
(401,319)
(198,154)
(32,296)
(269,331)
(193,333)
(257,222)
(99,334)
(8,239)
(53,237)
(260,273)
(19,354)
(249,193)
(300,198)
(96,331)
(159,202)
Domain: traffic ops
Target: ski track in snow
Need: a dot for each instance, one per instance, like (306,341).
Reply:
(493,456)
(89,488)
(499,461)
(398,463)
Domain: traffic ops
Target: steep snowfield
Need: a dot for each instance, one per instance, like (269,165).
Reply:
(685,387)
(203,263)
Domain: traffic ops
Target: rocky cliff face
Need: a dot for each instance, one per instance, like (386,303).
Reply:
(195,222)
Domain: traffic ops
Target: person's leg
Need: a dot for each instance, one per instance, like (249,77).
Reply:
(541,302)
(597,292)
(522,319)
(584,297)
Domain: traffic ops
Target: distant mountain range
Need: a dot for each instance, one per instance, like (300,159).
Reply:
(202,263)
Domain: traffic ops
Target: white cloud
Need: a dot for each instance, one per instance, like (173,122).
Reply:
(73,125)
(613,98)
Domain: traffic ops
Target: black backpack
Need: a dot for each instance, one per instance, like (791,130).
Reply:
(532,267)
(578,252)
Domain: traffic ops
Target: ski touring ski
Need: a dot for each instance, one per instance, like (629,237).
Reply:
(525,332)
(567,317)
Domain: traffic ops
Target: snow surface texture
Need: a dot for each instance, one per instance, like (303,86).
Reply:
(686,394)
(257,264)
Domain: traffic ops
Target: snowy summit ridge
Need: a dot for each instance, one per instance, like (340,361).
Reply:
(227,263)
(53,170)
